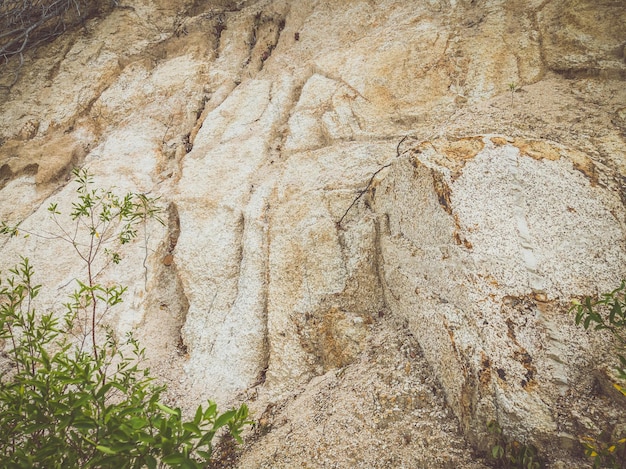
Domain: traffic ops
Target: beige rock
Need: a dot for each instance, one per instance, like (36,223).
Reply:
(472,258)
(439,178)
(584,38)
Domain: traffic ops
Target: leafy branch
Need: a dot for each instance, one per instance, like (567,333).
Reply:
(100,221)
(607,313)
(62,406)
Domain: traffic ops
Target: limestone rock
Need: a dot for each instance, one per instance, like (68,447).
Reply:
(338,177)
(483,242)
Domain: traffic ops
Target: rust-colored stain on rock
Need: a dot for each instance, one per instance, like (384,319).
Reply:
(537,149)
(452,154)
(499,141)
(541,150)
(463,149)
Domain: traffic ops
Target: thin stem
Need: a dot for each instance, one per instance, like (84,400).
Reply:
(17,361)
(145,257)
(90,259)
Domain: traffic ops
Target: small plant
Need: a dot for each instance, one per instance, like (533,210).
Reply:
(509,454)
(99,223)
(607,313)
(512,89)
(62,407)
(63,404)
(604,453)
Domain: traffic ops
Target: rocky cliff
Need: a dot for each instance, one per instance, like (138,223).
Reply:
(377,212)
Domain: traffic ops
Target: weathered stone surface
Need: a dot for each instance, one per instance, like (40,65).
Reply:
(584,38)
(481,251)
(335,173)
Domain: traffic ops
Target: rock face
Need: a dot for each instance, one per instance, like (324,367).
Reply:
(439,178)
(510,232)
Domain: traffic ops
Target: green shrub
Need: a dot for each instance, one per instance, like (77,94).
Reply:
(511,454)
(607,313)
(70,398)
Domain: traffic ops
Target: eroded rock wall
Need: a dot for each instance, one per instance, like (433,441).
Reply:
(334,171)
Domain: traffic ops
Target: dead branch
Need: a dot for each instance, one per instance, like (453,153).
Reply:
(26,24)
(369,183)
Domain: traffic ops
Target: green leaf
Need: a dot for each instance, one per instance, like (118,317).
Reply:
(224,419)
(106,449)
(206,438)
(206,455)
(167,410)
(174,458)
(497,452)
(104,390)
(85,425)
(151,462)
(198,417)
(235,434)
(192,427)
(211,411)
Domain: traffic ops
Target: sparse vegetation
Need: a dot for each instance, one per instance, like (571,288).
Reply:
(511,454)
(607,313)
(512,89)
(72,394)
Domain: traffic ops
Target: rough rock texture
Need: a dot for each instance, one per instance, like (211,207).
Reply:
(365,200)
(484,283)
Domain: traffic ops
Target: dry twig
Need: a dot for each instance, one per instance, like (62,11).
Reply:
(369,183)
(26,24)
